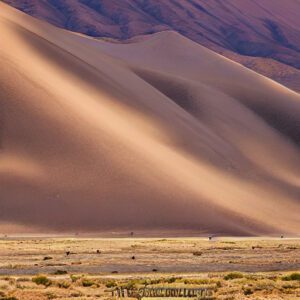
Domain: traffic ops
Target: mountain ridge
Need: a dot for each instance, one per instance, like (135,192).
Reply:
(262,35)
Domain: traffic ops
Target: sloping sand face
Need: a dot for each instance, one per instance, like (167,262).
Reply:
(156,134)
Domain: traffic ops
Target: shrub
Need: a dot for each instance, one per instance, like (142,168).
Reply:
(234,275)
(51,296)
(76,294)
(110,284)
(23,279)
(170,280)
(64,284)
(60,272)
(42,280)
(130,285)
(248,292)
(293,276)
(74,278)
(87,283)
(47,258)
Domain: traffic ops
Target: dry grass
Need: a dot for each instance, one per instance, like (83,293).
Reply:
(71,276)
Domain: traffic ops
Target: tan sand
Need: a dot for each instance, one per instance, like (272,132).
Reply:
(159,133)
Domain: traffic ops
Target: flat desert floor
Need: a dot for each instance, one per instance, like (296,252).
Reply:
(84,268)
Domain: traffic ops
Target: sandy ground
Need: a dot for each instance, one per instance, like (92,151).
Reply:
(29,256)
(159,133)
(236,268)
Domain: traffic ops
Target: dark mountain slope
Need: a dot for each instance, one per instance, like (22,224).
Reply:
(264,29)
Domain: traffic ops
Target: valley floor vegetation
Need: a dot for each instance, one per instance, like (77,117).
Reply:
(231,285)
(89,268)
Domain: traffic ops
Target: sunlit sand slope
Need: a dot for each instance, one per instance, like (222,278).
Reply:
(156,134)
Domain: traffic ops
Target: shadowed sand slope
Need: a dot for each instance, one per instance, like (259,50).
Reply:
(156,134)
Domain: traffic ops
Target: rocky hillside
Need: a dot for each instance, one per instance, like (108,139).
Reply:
(251,28)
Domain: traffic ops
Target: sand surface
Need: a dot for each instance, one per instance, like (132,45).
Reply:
(125,256)
(159,133)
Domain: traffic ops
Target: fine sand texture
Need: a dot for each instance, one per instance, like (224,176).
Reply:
(158,133)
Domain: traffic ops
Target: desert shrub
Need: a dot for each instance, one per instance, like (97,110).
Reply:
(75,278)
(42,280)
(265,285)
(110,284)
(7,278)
(23,279)
(293,276)
(87,282)
(289,286)
(76,294)
(228,242)
(4,297)
(145,282)
(234,275)
(156,281)
(47,258)
(10,280)
(129,285)
(196,281)
(170,280)
(63,284)
(60,272)
(51,296)
(248,291)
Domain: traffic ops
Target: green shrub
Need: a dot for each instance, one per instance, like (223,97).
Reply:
(74,278)
(110,284)
(87,283)
(234,275)
(170,280)
(42,280)
(129,285)
(293,276)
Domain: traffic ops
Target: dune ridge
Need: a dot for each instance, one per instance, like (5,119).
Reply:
(159,133)
(263,35)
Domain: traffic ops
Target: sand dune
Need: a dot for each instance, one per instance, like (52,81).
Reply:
(260,34)
(155,134)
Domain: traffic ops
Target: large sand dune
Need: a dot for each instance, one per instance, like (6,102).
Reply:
(263,35)
(155,134)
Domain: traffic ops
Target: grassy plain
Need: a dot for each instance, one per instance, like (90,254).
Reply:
(84,268)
